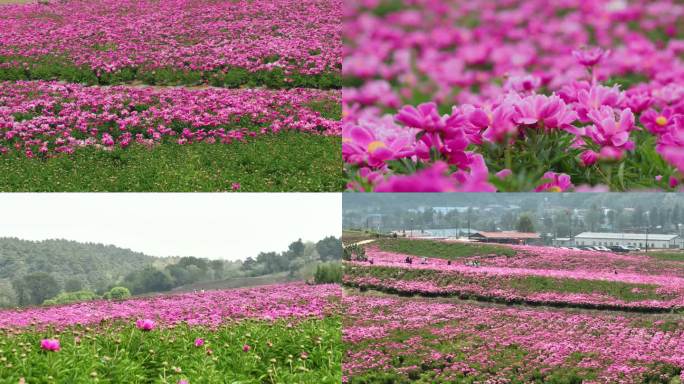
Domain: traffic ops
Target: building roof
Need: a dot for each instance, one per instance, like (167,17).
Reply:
(508,235)
(625,236)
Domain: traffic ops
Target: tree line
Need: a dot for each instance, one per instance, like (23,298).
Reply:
(59,271)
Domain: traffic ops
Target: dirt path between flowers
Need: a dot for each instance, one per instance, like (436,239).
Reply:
(569,310)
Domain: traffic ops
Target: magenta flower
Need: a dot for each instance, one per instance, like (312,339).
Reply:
(504,173)
(596,97)
(425,117)
(589,57)
(145,324)
(246,348)
(658,122)
(611,135)
(199,342)
(50,345)
(551,111)
(589,158)
(235,186)
(497,124)
(433,179)
(671,144)
(364,145)
(556,182)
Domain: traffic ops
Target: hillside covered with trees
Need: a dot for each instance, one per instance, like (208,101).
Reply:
(59,271)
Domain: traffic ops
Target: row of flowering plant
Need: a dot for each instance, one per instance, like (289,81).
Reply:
(394,339)
(226,43)
(47,118)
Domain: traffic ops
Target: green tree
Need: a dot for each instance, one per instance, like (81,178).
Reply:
(119,293)
(73,285)
(330,248)
(525,224)
(40,286)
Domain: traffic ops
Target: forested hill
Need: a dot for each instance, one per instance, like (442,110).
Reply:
(96,266)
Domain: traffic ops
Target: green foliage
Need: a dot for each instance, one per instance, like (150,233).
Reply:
(354,252)
(149,279)
(440,249)
(57,68)
(119,353)
(119,293)
(288,161)
(329,109)
(72,297)
(525,224)
(328,273)
(73,285)
(329,248)
(94,266)
(666,255)
(35,288)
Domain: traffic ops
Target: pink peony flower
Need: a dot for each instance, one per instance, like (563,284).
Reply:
(611,134)
(589,158)
(658,122)
(145,324)
(504,173)
(557,182)
(590,56)
(50,345)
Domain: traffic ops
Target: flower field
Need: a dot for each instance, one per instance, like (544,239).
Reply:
(513,95)
(535,276)
(224,43)
(197,95)
(402,340)
(271,334)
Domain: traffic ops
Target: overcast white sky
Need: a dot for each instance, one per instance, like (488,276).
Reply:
(228,226)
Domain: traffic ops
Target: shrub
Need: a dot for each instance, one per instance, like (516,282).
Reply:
(327,273)
(119,293)
(72,297)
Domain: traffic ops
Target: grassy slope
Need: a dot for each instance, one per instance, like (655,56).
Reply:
(238,282)
(442,250)
(119,353)
(288,161)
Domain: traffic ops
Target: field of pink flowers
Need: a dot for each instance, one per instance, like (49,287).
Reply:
(179,41)
(210,308)
(513,95)
(269,334)
(535,275)
(403,340)
(42,119)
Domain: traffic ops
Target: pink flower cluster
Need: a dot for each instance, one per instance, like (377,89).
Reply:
(456,340)
(47,118)
(490,278)
(513,76)
(109,35)
(209,308)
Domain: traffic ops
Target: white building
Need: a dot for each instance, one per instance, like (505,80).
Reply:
(639,240)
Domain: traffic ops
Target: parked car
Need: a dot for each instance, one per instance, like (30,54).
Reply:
(602,248)
(619,248)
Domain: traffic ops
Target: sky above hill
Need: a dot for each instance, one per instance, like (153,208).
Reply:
(218,226)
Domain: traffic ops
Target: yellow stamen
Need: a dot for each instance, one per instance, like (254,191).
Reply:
(375,145)
(554,189)
(661,120)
